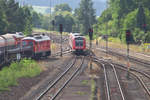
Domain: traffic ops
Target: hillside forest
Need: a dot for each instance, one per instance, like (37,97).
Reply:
(119,16)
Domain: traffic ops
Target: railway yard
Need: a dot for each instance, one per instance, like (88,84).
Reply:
(73,77)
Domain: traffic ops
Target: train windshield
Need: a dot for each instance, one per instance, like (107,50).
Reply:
(24,43)
(79,41)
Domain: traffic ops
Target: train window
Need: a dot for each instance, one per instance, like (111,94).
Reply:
(79,38)
(79,43)
(24,43)
(38,37)
(30,43)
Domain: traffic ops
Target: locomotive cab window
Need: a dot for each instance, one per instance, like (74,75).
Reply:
(30,43)
(24,43)
(79,41)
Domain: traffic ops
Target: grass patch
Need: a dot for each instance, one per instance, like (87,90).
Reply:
(93,89)
(24,68)
(47,31)
(40,30)
(85,82)
(116,43)
(53,46)
(80,93)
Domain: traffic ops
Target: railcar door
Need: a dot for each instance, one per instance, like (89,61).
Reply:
(27,48)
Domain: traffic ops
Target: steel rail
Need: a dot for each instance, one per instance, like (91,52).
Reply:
(116,76)
(56,80)
(138,77)
(142,83)
(134,70)
(64,52)
(106,82)
(66,83)
(123,97)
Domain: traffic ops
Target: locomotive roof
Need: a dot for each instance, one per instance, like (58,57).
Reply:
(9,35)
(75,34)
(19,35)
(75,37)
(37,38)
(79,36)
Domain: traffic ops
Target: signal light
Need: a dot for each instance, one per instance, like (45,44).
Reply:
(144,27)
(90,33)
(53,22)
(128,36)
(60,28)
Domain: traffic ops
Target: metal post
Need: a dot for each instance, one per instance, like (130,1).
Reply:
(90,37)
(50,4)
(128,62)
(90,45)
(106,46)
(61,44)
(96,42)
(90,54)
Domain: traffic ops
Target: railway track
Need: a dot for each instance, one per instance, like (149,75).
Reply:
(66,51)
(65,77)
(110,75)
(132,58)
(142,77)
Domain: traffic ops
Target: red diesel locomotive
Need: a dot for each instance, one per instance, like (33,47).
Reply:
(16,46)
(77,43)
(36,46)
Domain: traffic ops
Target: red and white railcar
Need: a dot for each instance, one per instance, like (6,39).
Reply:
(36,46)
(77,43)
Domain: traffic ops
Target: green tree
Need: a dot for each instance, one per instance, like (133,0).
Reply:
(63,15)
(11,10)
(3,22)
(36,20)
(28,19)
(59,19)
(13,17)
(62,7)
(45,22)
(69,23)
(66,19)
(86,15)
(141,21)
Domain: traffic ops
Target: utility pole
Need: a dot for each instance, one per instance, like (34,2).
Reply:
(50,4)
(91,37)
(128,39)
(61,30)
(106,36)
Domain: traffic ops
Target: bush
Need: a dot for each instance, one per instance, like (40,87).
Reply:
(24,68)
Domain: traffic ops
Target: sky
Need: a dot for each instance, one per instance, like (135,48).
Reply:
(99,5)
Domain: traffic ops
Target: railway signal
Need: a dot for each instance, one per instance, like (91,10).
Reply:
(91,37)
(128,39)
(90,33)
(144,27)
(53,23)
(106,38)
(128,36)
(61,30)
